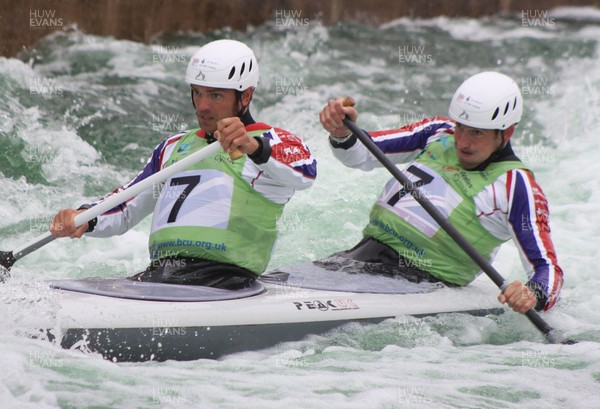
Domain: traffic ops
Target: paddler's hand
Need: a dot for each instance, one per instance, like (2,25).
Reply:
(518,297)
(63,224)
(331,116)
(232,135)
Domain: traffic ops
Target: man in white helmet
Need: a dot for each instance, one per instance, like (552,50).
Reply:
(214,223)
(467,168)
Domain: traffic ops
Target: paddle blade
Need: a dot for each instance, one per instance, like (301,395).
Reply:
(555,338)
(6,261)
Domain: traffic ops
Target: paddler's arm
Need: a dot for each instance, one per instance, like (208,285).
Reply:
(281,156)
(528,218)
(400,145)
(114,222)
(123,217)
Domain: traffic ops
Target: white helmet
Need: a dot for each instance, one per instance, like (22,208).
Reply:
(223,64)
(488,100)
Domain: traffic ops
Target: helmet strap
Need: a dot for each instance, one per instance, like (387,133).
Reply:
(243,108)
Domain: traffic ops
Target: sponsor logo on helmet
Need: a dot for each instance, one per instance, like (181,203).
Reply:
(472,102)
(198,62)
(464,115)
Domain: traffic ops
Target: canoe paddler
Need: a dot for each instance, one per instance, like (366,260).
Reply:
(467,168)
(214,223)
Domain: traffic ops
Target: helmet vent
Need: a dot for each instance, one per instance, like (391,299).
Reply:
(243,69)
(515,103)
(496,113)
(231,73)
(506,108)
(250,67)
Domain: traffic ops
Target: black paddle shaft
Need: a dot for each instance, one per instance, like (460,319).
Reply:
(6,261)
(485,266)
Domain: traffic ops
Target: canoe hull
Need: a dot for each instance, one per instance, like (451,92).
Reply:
(125,330)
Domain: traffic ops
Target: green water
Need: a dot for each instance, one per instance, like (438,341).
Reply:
(81,114)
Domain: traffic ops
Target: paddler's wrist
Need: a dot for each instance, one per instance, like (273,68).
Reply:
(538,292)
(343,142)
(92,223)
(262,153)
(341,137)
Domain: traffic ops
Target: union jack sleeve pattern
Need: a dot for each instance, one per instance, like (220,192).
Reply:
(529,219)
(400,145)
(290,161)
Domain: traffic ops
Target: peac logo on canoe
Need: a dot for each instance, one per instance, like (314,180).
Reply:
(329,305)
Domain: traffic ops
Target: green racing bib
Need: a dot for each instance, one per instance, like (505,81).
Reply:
(210,212)
(399,221)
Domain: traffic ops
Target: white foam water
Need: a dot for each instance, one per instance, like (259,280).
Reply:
(101,129)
